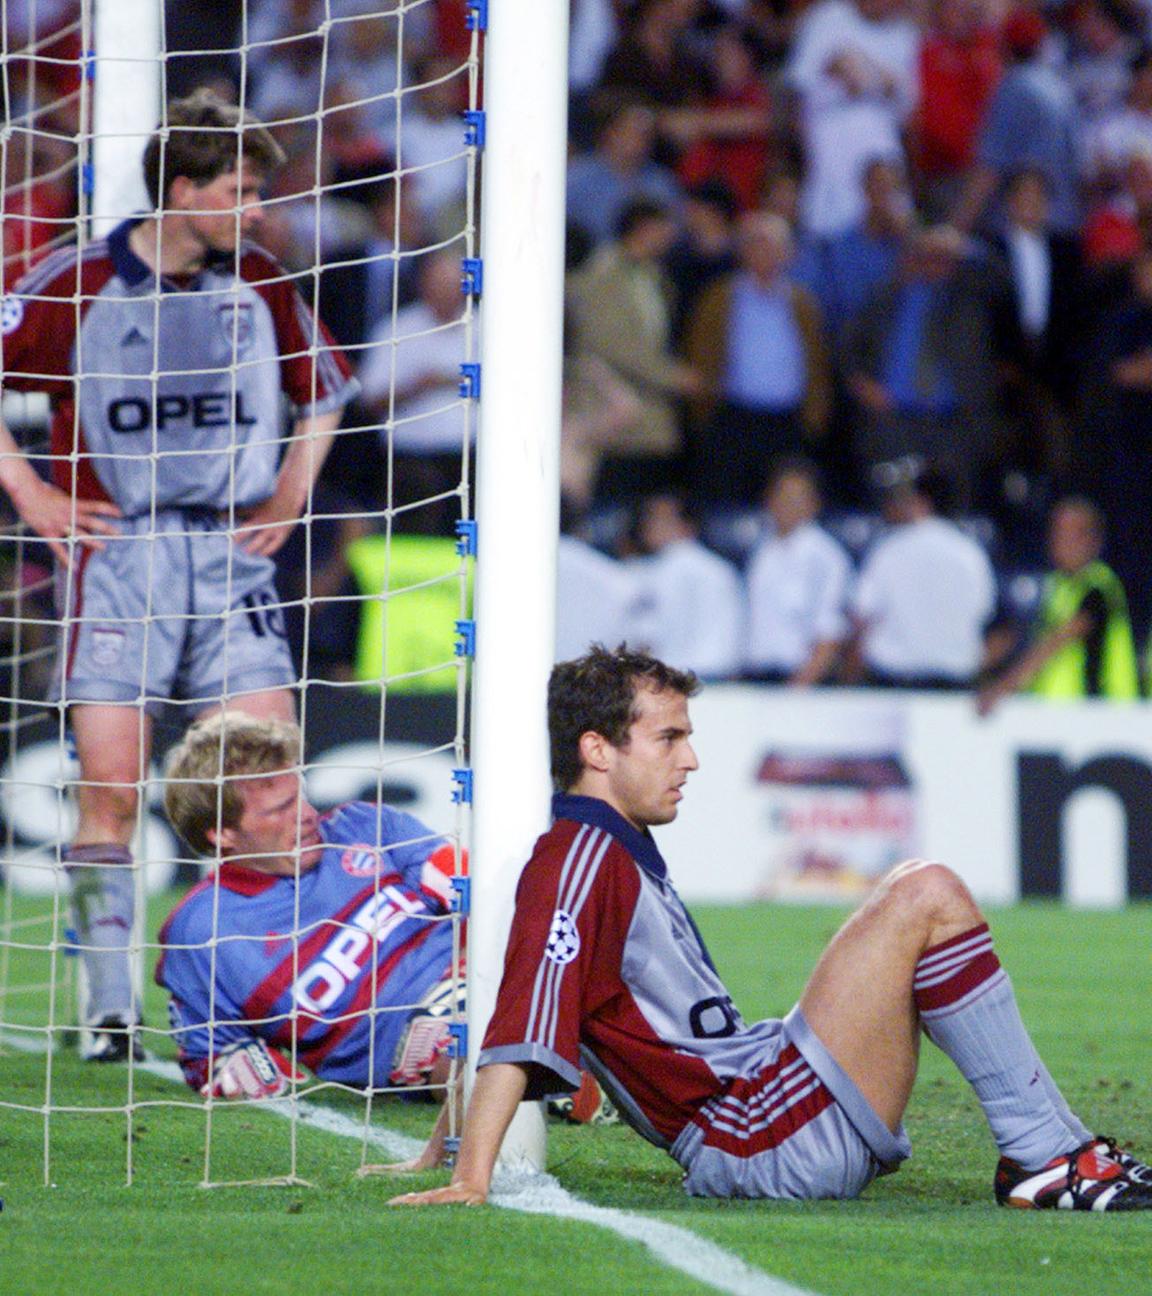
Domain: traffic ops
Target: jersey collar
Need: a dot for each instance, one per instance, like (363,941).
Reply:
(244,880)
(135,271)
(591,810)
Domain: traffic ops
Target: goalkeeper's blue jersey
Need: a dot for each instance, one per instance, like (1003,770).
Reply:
(345,952)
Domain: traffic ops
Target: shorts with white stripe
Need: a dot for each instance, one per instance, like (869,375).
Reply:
(797,1128)
(172,607)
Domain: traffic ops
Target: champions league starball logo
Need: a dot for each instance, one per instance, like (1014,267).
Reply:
(11,315)
(563,938)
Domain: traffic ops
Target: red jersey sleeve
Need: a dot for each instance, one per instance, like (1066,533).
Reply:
(574,905)
(38,322)
(314,372)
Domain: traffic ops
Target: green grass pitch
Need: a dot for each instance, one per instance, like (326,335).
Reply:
(1085,985)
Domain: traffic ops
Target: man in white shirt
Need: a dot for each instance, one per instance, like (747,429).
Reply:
(410,375)
(925,595)
(855,67)
(690,607)
(797,584)
(595,594)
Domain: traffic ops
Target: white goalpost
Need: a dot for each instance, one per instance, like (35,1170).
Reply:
(439,703)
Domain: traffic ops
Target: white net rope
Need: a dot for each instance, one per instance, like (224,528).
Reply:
(358,303)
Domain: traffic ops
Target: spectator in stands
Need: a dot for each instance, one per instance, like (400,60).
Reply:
(619,170)
(595,594)
(1031,121)
(925,595)
(1045,322)
(1082,645)
(1124,131)
(689,606)
(921,359)
(654,58)
(411,377)
(855,67)
(357,285)
(1119,225)
(797,582)
(432,141)
(599,412)
(1104,38)
(757,339)
(593,31)
(706,248)
(1117,418)
(622,313)
(729,136)
(849,267)
(959,69)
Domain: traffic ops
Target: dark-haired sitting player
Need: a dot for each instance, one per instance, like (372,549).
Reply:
(323,937)
(605,964)
(167,351)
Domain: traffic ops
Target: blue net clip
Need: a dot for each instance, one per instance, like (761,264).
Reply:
(472,280)
(90,64)
(470,381)
(462,792)
(466,537)
(476,15)
(88,178)
(466,636)
(475,128)
(71,942)
(458,1044)
(462,899)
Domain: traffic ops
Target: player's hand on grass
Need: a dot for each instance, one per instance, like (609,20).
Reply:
(455,1194)
(429,1159)
(53,514)
(249,1069)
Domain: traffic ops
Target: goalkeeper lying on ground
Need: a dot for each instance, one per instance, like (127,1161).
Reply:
(340,918)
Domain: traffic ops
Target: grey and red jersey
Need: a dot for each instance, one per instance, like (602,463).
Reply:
(169,397)
(605,965)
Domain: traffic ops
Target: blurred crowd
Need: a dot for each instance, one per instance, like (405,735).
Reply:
(843,260)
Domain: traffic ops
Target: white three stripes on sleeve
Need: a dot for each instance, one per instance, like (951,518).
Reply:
(577,875)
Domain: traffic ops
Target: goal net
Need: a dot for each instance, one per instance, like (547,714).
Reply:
(350,340)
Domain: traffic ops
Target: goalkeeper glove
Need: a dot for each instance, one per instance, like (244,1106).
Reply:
(249,1069)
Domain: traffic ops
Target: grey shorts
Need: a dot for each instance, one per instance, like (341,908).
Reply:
(798,1128)
(169,610)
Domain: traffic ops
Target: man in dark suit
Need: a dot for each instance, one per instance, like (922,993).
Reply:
(1045,315)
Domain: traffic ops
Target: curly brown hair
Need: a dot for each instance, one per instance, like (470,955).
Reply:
(597,693)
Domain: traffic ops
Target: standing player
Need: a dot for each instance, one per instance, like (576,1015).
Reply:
(604,963)
(166,351)
(319,936)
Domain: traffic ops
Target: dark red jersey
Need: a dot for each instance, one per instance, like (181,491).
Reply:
(605,967)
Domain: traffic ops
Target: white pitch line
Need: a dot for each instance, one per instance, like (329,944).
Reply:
(528,1191)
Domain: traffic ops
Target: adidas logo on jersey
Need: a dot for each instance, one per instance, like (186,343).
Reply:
(133,338)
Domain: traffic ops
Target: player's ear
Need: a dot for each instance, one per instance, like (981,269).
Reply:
(223,840)
(594,750)
(181,193)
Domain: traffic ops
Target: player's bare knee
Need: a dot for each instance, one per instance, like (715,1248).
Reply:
(931,892)
(108,810)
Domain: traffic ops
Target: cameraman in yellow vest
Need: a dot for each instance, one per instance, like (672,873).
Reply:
(1083,644)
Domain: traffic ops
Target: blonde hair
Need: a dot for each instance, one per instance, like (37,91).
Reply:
(205,772)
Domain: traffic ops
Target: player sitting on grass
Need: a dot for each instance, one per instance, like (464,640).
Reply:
(319,937)
(605,964)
